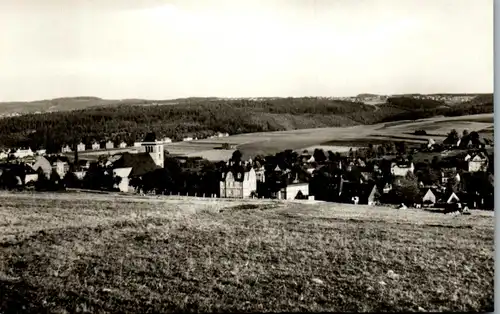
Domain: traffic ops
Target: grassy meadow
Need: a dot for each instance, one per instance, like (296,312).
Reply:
(337,139)
(65,253)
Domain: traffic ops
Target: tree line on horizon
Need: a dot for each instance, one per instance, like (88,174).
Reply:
(204,118)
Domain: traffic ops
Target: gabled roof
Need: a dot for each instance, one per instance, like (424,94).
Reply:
(373,192)
(42,162)
(122,172)
(141,163)
(237,173)
(450,196)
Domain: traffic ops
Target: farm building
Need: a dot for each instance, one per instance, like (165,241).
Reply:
(238,183)
(80,147)
(110,145)
(96,146)
(123,145)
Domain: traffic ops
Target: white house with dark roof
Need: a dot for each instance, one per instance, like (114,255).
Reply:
(401,170)
(21,153)
(96,146)
(476,162)
(110,145)
(80,147)
(238,184)
(66,149)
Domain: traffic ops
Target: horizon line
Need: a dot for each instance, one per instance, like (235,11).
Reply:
(241,97)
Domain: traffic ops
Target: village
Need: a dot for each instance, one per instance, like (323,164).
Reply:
(456,174)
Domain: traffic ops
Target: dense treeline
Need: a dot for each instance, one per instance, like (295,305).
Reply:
(201,118)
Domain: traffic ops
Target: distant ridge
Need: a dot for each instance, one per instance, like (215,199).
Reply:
(16,108)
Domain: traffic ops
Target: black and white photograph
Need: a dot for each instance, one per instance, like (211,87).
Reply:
(246,156)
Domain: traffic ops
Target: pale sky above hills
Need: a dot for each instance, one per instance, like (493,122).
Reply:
(243,48)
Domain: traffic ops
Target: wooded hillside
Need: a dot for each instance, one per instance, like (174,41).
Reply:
(201,118)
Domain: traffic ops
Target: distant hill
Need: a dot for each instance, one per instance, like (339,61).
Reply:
(129,120)
(82,102)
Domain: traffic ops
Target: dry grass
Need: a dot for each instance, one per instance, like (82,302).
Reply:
(91,253)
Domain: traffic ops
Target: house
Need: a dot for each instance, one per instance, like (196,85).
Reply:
(110,145)
(187,139)
(61,167)
(41,152)
(30,178)
(476,162)
(400,170)
(96,146)
(141,163)
(66,149)
(80,147)
(238,183)
(123,174)
(153,148)
(260,174)
(166,140)
(294,191)
(4,155)
(43,164)
(429,198)
(21,153)
(123,145)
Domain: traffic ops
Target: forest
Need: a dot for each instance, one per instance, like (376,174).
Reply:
(204,117)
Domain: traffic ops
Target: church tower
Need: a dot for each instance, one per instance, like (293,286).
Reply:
(154,148)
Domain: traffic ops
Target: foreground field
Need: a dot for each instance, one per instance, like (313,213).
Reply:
(102,253)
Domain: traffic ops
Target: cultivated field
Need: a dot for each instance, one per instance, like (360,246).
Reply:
(335,139)
(108,253)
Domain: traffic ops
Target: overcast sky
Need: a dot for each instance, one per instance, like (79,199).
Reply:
(243,48)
